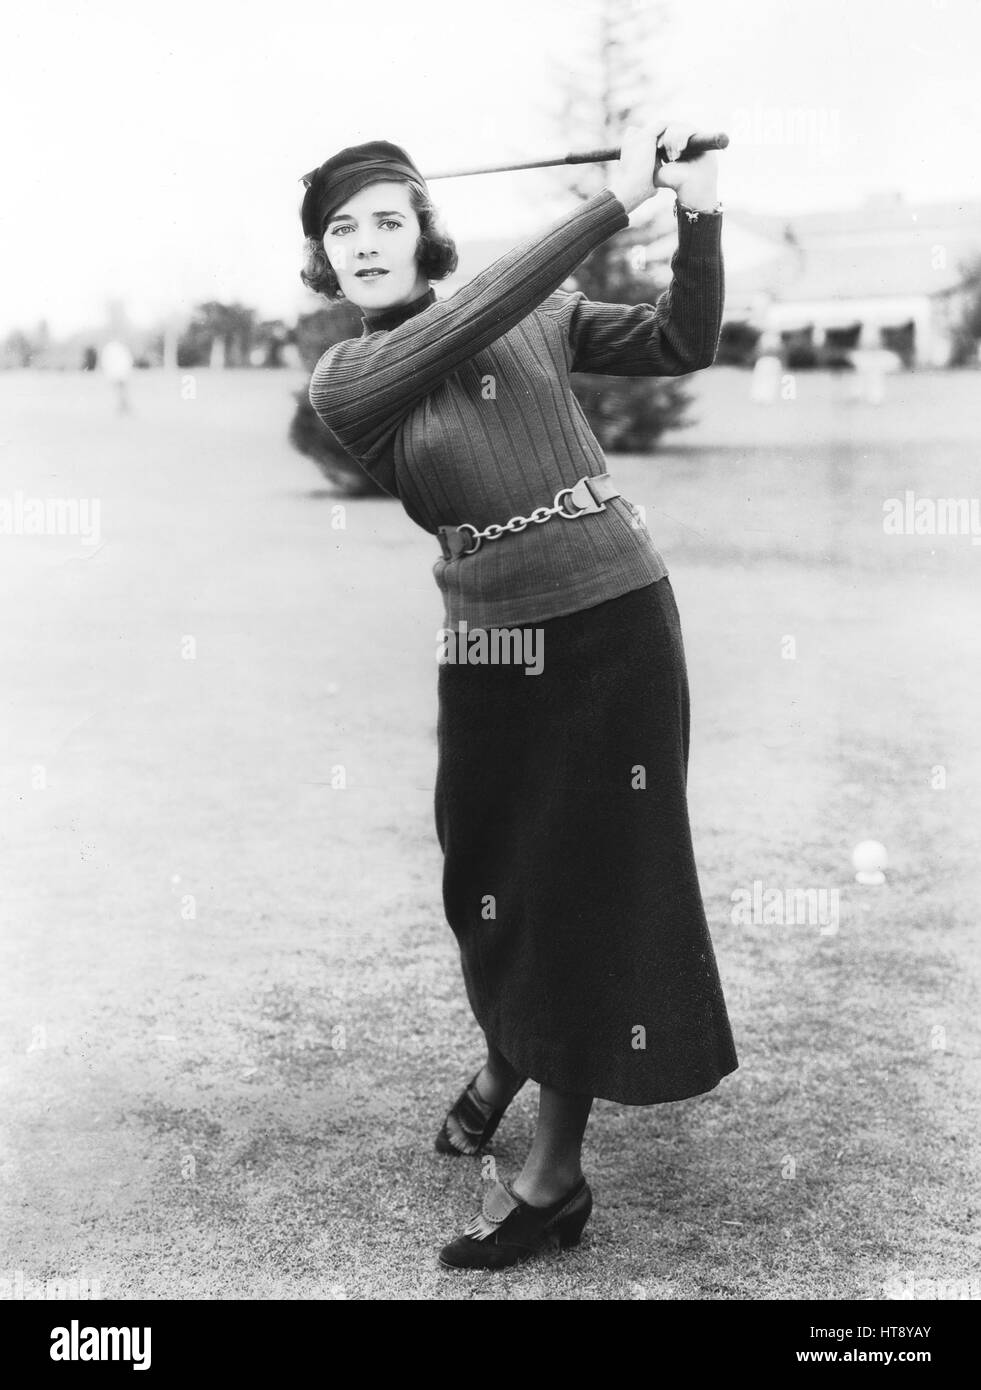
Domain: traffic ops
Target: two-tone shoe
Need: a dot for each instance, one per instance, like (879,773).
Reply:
(507,1230)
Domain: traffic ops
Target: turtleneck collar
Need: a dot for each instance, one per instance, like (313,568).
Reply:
(397,313)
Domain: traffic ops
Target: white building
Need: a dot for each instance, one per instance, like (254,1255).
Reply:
(888,269)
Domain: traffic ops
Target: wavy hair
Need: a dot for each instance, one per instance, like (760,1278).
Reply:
(436,254)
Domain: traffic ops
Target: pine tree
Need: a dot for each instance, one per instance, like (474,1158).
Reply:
(606,91)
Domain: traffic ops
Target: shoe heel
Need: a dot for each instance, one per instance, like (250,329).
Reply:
(569,1230)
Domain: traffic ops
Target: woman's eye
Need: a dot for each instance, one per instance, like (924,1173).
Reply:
(345,227)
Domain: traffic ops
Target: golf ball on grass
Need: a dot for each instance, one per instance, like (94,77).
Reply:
(870,859)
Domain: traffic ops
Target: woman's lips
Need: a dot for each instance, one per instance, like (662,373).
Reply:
(370,274)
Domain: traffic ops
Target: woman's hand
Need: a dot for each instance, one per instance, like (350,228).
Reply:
(695,181)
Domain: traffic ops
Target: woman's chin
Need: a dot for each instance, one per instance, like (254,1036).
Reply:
(385,292)
(373,294)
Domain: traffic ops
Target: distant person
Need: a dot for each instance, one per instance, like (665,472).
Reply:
(768,370)
(868,382)
(569,875)
(116,362)
(90,359)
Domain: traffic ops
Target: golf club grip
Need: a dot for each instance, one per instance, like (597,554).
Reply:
(697,144)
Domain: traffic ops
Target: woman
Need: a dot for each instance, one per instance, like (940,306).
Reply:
(569,877)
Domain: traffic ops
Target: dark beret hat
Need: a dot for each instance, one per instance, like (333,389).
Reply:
(345,174)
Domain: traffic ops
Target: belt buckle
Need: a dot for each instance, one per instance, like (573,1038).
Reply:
(466,526)
(581,497)
(451,540)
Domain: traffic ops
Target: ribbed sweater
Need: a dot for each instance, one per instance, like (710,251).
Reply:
(463,409)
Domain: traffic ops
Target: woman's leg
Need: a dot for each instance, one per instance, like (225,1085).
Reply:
(553,1165)
(498,1082)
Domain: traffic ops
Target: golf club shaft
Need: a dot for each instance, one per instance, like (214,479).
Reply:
(697,145)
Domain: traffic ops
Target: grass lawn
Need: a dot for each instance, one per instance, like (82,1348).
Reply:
(234,1015)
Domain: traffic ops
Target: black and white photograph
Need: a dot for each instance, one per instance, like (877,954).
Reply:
(490,554)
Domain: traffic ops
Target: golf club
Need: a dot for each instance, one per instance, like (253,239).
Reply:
(698,144)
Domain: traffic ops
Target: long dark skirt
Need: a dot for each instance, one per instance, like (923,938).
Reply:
(569,876)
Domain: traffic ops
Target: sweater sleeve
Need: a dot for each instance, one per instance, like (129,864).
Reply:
(363,388)
(678,334)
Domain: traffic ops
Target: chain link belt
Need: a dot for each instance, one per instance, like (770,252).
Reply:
(588,495)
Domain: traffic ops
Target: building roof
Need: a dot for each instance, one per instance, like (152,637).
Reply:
(885,248)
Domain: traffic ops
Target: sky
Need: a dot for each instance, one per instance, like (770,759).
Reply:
(153,151)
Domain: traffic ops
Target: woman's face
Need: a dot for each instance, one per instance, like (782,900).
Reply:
(376,230)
